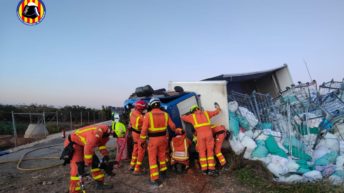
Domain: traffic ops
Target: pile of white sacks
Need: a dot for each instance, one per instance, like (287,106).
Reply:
(290,163)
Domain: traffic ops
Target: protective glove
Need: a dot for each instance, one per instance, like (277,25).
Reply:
(106,159)
(81,168)
(194,139)
(216,105)
(143,144)
(107,166)
(179,131)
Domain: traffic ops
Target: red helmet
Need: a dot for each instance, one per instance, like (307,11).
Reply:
(140,105)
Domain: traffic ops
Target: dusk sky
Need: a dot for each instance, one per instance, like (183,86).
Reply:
(95,53)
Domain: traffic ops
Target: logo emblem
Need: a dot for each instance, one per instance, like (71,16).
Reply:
(31,12)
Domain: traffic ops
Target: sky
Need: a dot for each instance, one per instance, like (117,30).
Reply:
(94,53)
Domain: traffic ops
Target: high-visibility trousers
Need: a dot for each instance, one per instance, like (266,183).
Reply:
(78,156)
(121,148)
(136,139)
(205,148)
(157,149)
(218,144)
(140,155)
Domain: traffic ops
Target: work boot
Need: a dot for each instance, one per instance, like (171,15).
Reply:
(157,183)
(131,169)
(163,175)
(213,173)
(116,164)
(225,168)
(205,172)
(138,173)
(103,186)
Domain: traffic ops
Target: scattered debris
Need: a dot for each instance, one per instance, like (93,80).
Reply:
(299,136)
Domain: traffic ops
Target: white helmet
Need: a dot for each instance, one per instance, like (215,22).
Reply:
(153,101)
(116,117)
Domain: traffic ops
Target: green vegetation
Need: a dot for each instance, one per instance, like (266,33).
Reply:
(255,176)
(79,114)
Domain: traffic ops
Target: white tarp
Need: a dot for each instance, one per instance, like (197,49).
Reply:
(36,131)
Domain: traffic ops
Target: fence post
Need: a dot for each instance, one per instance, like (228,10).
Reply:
(30,117)
(81,118)
(14,130)
(88,117)
(94,117)
(71,120)
(57,120)
(43,114)
(256,105)
(43,118)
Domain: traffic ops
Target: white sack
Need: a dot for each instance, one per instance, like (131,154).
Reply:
(277,169)
(336,180)
(259,135)
(313,176)
(320,151)
(278,165)
(251,118)
(340,163)
(236,146)
(292,166)
(291,179)
(233,106)
(241,135)
(341,147)
(332,142)
(249,133)
(250,144)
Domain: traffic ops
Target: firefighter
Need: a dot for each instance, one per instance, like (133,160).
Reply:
(136,119)
(155,125)
(219,133)
(180,152)
(205,141)
(120,132)
(79,151)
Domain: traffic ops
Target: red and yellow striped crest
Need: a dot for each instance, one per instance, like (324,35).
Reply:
(31,12)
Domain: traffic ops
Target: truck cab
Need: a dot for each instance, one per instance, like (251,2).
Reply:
(175,104)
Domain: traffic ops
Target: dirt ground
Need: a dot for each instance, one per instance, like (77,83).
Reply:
(248,176)
(55,180)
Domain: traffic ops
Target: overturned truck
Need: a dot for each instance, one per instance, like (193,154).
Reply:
(297,133)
